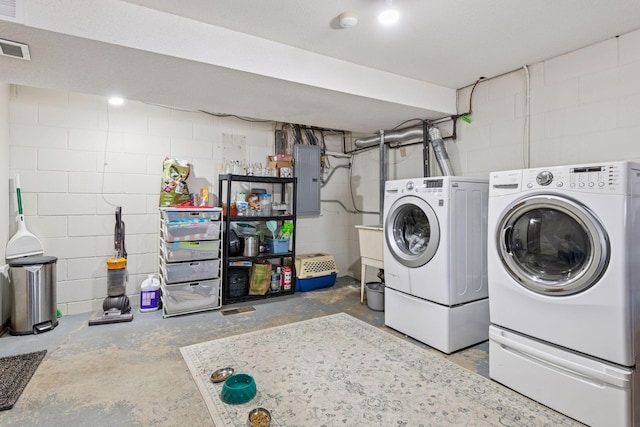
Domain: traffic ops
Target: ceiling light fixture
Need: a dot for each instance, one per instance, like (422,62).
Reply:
(389,16)
(348,19)
(116,100)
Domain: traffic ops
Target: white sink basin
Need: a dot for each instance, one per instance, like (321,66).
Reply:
(371,243)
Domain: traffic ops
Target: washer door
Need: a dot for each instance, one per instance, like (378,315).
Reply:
(412,231)
(552,245)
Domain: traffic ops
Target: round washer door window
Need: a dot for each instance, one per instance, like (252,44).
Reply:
(412,232)
(552,245)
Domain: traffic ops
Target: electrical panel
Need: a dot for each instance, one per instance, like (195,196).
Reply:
(307,171)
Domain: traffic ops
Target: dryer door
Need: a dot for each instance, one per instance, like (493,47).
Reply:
(552,245)
(412,231)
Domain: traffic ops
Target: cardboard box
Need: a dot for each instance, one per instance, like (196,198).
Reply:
(281,164)
(285,278)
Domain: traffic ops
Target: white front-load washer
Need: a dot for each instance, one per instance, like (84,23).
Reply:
(564,287)
(435,260)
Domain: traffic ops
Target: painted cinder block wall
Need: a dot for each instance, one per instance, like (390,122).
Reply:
(79,158)
(584,108)
(5,306)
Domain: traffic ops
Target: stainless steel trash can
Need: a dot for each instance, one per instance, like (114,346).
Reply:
(33,294)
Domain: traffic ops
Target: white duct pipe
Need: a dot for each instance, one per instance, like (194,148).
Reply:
(405,134)
(440,152)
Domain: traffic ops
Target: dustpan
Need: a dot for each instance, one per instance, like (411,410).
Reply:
(23,243)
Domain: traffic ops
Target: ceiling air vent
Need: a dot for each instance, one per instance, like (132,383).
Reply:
(14,50)
(12,10)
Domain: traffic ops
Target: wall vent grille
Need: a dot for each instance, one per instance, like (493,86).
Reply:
(12,10)
(14,49)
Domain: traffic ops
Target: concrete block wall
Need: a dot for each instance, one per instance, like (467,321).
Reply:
(584,108)
(5,308)
(326,233)
(79,158)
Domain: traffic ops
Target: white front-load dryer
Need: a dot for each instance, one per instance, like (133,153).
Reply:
(435,260)
(563,265)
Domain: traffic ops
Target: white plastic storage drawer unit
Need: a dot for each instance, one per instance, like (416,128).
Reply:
(191,230)
(190,259)
(191,251)
(193,215)
(191,271)
(190,297)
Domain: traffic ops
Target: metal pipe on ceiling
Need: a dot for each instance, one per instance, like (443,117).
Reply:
(400,135)
(391,136)
(425,151)
(383,172)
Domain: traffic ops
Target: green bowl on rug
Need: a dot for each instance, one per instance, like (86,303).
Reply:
(238,389)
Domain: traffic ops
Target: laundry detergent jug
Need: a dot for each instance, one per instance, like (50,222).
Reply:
(150,293)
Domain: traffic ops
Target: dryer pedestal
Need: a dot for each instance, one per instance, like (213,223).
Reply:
(584,388)
(445,328)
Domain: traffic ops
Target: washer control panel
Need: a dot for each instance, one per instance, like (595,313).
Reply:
(434,186)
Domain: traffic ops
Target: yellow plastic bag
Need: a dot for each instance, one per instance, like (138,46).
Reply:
(260,278)
(174,190)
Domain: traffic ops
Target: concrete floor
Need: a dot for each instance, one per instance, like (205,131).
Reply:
(133,373)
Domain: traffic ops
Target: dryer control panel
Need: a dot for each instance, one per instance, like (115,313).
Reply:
(606,178)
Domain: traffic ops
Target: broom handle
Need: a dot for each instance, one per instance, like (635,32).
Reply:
(18,194)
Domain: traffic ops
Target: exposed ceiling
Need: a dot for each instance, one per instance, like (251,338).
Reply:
(289,60)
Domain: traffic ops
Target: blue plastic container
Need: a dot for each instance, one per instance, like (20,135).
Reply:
(276,246)
(320,282)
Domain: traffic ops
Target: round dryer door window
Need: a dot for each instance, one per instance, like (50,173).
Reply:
(412,231)
(552,245)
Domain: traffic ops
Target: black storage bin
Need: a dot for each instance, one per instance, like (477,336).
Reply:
(238,281)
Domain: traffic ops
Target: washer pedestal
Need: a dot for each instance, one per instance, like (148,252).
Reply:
(445,328)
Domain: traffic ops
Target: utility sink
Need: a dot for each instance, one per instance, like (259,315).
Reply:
(370,238)
(371,251)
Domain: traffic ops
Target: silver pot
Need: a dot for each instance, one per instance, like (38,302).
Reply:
(251,244)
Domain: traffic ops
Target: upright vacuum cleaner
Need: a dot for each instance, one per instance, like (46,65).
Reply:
(116,306)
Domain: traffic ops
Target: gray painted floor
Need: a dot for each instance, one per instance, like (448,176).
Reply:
(132,374)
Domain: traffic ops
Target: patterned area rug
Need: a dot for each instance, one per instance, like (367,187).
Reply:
(15,373)
(339,371)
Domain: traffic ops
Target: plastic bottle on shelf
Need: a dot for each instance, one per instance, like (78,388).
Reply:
(150,294)
(241,203)
(265,204)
